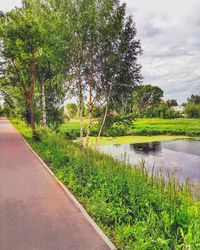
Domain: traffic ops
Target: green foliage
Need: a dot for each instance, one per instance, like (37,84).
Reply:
(192,110)
(6,111)
(118,125)
(32,52)
(163,111)
(145,98)
(71,109)
(172,102)
(97,111)
(195,99)
(147,103)
(51,47)
(136,211)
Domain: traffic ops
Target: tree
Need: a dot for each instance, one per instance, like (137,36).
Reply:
(120,68)
(105,54)
(71,109)
(87,46)
(164,111)
(172,103)
(192,110)
(21,43)
(195,99)
(34,48)
(145,98)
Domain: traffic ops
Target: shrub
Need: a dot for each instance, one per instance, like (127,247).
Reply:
(118,125)
(192,110)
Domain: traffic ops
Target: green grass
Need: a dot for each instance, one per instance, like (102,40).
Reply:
(189,127)
(73,124)
(134,210)
(144,130)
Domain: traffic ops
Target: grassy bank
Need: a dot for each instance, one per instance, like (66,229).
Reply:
(136,211)
(147,127)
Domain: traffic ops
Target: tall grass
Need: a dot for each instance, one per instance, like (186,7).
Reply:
(135,209)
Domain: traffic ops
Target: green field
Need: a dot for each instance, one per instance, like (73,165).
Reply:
(144,130)
(135,210)
(190,127)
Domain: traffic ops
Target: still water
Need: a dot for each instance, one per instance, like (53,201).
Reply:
(180,158)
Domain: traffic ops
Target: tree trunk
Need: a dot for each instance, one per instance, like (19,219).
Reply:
(104,117)
(43,103)
(81,111)
(30,97)
(103,122)
(32,113)
(27,111)
(90,111)
(105,114)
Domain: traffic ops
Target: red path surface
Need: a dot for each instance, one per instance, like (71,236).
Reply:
(35,212)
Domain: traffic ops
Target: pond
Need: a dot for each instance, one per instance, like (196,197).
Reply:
(180,158)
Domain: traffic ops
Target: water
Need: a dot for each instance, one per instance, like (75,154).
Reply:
(180,158)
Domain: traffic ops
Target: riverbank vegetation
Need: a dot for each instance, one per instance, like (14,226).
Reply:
(140,127)
(136,211)
(192,110)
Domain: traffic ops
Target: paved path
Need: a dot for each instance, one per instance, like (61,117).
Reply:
(35,212)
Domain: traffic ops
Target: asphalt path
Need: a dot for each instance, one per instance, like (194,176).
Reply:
(35,211)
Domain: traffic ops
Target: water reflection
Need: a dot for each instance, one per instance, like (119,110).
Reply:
(180,157)
(146,148)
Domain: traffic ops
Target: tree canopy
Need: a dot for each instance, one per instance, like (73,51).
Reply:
(51,50)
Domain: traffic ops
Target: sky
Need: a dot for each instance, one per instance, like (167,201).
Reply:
(169,31)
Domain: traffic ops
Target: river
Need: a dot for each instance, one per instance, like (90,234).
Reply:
(180,158)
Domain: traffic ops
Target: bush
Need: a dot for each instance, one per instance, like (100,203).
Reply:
(165,112)
(118,125)
(192,110)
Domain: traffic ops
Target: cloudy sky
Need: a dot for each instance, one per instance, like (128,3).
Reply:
(169,31)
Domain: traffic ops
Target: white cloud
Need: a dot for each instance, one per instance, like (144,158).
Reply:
(170,34)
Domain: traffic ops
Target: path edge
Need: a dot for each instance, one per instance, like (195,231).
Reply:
(72,197)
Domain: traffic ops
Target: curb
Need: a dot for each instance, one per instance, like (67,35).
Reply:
(72,198)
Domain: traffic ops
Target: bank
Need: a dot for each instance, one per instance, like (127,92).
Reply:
(136,211)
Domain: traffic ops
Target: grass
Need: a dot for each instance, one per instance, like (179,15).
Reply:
(135,210)
(144,130)
(155,126)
